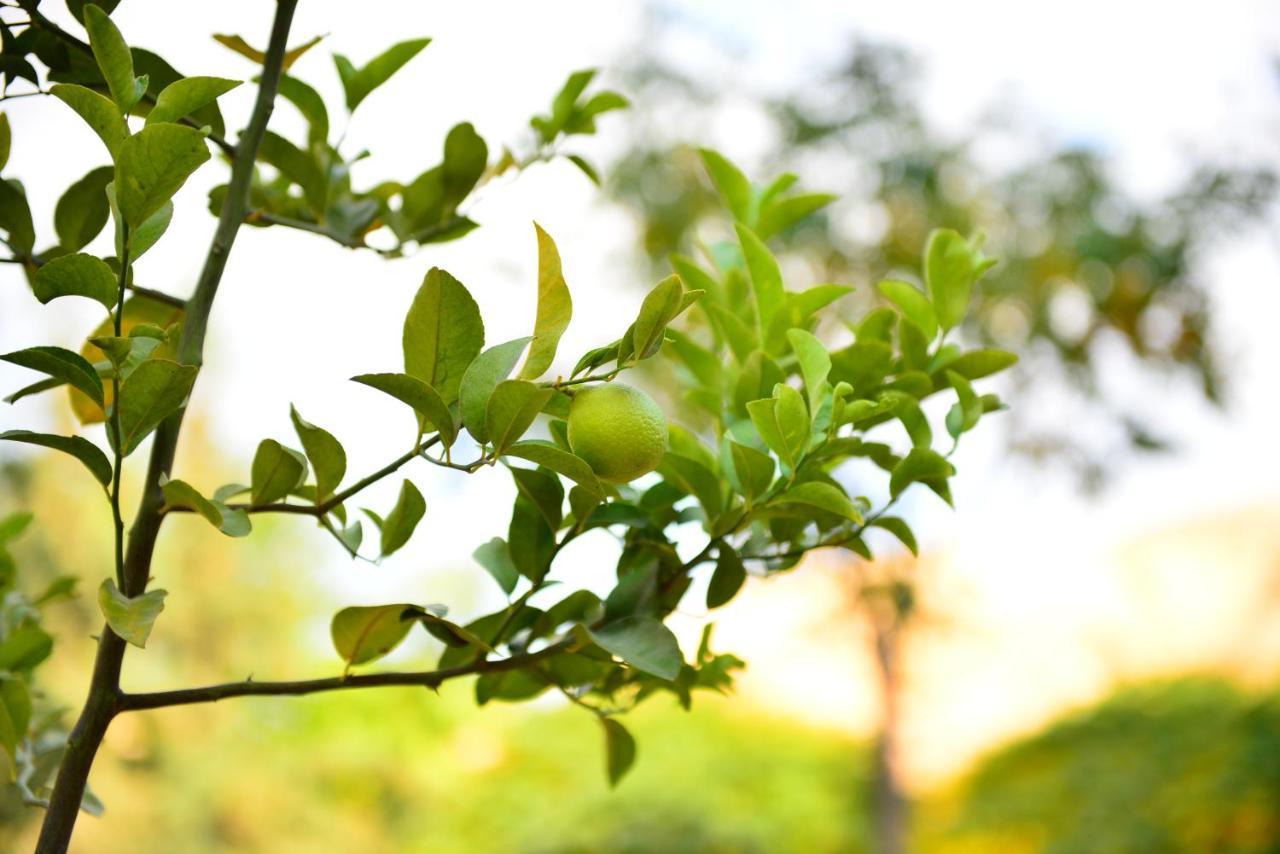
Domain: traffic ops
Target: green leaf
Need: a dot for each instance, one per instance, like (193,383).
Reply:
(242,47)
(15,217)
(783,423)
(480,379)
(424,399)
(233,523)
(543,491)
(15,713)
(964,415)
(783,214)
(495,557)
(642,642)
(277,471)
(753,469)
(98,112)
(326,454)
(766,276)
(152,165)
(130,618)
(899,529)
(560,461)
(183,97)
(145,236)
(24,648)
(61,364)
(79,447)
(815,364)
(155,390)
(977,364)
(920,465)
(797,309)
(823,496)
(513,406)
(83,209)
(77,275)
(660,307)
(366,633)
(913,304)
(443,333)
(113,57)
(6,140)
(733,186)
(728,578)
(403,519)
(585,167)
(358,83)
(310,104)
(555,308)
(952,265)
(619,750)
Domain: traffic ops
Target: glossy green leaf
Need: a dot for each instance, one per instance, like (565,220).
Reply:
(660,307)
(559,461)
(424,399)
(555,309)
(513,406)
(83,209)
(130,618)
(6,140)
(733,186)
(77,275)
(815,364)
(727,579)
(443,333)
(61,364)
(77,446)
(404,517)
(797,310)
(754,470)
(619,750)
(920,465)
(145,236)
(913,304)
(366,633)
(480,379)
(183,97)
(327,456)
(823,496)
(276,472)
(242,47)
(155,390)
(766,276)
(113,57)
(642,642)
(495,557)
(952,265)
(98,112)
(899,529)
(358,83)
(152,165)
(783,423)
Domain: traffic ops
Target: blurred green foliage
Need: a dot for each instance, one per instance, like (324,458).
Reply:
(1180,766)
(1086,264)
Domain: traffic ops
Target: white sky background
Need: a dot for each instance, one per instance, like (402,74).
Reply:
(296,315)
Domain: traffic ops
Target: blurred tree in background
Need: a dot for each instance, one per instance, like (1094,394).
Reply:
(1085,264)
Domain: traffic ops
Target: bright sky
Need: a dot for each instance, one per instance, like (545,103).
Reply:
(297,316)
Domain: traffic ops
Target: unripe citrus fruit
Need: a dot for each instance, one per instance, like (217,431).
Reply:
(620,431)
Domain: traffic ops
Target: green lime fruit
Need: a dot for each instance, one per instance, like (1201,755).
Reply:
(620,431)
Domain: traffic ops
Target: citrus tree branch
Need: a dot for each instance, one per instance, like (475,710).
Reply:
(249,688)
